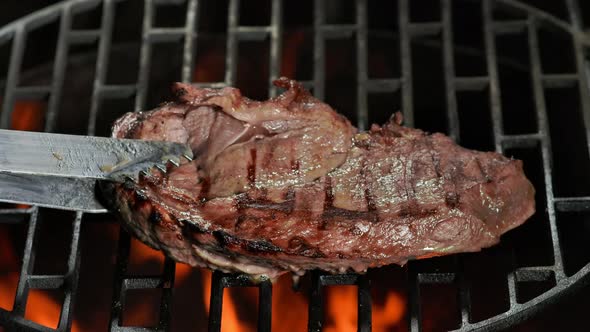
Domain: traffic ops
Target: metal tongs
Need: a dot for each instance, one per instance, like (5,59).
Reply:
(60,171)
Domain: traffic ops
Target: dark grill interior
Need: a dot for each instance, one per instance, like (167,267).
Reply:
(500,75)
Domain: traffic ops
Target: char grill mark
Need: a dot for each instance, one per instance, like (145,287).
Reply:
(328,203)
(350,215)
(252,168)
(261,204)
(372,213)
(452,200)
(329,195)
(285,188)
(228,241)
(412,209)
(299,246)
(205,186)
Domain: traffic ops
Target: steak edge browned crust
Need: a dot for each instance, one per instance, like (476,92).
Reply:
(290,185)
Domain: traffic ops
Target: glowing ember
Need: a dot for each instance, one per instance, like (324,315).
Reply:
(292,49)
(8,268)
(28,115)
(8,283)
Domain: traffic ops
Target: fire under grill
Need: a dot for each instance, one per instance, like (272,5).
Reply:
(493,74)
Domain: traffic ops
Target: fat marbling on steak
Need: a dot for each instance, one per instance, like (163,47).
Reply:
(290,185)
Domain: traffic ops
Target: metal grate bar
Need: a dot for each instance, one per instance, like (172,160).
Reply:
(361,63)
(22,290)
(220,281)
(216,85)
(142,282)
(190,34)
(318,49)
(19,213)
(424,29)
(59,68)
(382,85)
(276,44)
(120,270)
(316,302)
(364,304)
(536,77)
(215,303)
(265,306)
(71,277)
(509,27)
(144,56)
(525,274)
(559,80)
(582,64)
(159,35)
(449,69)
(46,281)
(15,323)
(338,31)
(253,30)
(511,281)
(436,278)
(259,34)
(16,56)
(454,133)
(475,83)
(415,312)
(496,108)
(572,204)
(406,63)
(520,141)
(116,91)
(123,283)
(102,63)
(231,59)
(464,297)
(32,92)
(491,60)
(83,36)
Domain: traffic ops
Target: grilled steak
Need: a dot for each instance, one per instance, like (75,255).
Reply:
(290,185)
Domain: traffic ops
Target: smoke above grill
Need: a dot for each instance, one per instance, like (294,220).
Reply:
(500,75)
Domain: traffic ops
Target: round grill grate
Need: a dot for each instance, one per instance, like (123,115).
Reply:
(493,74)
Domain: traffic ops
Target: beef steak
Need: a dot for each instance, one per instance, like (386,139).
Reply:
(290,185)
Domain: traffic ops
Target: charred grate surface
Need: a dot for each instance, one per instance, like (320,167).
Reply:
(517,19)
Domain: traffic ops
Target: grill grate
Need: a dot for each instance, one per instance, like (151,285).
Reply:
(530,23)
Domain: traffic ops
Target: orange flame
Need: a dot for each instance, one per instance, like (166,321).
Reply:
(8,274)
(141,254)
(8,284)
(230,321)
(41,307)
(341,310)
(390,314)
(289,308)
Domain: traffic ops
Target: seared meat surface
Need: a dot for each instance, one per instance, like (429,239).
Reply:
(290,185)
